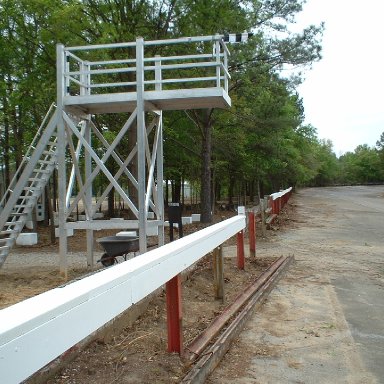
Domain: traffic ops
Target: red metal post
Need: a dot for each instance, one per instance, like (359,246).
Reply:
(240,250)
(274,206)
(252,234)
(174,315)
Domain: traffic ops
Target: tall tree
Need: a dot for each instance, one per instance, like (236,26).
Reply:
(266,52)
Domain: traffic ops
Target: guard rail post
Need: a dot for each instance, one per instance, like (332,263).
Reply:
(240,243)
(252,234)
(174,315)
(218,273)
(173,291)
(274,206)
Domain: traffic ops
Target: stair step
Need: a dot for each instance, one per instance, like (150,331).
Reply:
(4,248)
(7,241)
(23,206)
(18,214)
(46,162)
(32,179)
(49,153)
(28,197)
(12,223)
(51,143)
(33,188)
(41,171)
(4,233)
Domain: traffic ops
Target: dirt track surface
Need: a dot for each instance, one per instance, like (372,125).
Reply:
(324,322)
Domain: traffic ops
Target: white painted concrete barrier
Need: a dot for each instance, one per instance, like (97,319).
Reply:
(186,220)
(195,217)
(37,330)
(26,239)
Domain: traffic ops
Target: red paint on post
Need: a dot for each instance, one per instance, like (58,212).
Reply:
(174,315)
(274,206)
(252,234)
(240,250)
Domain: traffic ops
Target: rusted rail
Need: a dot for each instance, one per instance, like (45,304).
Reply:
(240,310)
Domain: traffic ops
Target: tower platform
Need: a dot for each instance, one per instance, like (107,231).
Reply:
(138,75)
(179,99)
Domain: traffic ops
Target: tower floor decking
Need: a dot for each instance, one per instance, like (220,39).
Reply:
(179,99)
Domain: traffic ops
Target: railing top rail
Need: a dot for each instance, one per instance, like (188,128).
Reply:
(180,40)
(276,195)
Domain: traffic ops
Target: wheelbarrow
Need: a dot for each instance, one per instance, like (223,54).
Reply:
(115,246)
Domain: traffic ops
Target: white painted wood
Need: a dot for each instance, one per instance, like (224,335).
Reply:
(109,224)
(276,195)
(29,337)
(141,136)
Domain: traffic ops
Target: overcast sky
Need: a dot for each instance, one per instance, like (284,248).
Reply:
(343,93)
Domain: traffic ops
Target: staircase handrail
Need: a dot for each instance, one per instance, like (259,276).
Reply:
(26,156)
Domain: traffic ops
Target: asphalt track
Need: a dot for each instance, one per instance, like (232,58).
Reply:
(324,323)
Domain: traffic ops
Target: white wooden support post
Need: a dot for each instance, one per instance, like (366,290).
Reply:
(159,160)
(88,166)
(61,65)
(141,131)
(226,80)
(218,61)
(88,197)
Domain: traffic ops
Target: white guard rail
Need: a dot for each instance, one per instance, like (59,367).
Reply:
(276,195)
(37,330)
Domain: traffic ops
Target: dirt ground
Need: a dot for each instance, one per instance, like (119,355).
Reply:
(138,354)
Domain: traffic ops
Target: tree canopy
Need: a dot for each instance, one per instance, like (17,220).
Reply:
(260,143)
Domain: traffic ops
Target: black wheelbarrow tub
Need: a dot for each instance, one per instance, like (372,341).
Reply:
(119,245)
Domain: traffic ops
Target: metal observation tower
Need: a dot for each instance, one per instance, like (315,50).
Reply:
(132,78)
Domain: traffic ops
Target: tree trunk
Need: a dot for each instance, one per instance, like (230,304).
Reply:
(6,148)
(231,189)
(111,203)
(206,151)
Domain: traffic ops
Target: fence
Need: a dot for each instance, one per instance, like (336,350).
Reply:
(37,330)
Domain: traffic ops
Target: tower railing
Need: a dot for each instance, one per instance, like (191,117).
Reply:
(93,70)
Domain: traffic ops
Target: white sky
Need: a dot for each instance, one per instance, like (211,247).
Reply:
(343,93)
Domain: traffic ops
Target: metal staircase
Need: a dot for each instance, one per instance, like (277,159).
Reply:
(28,183)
